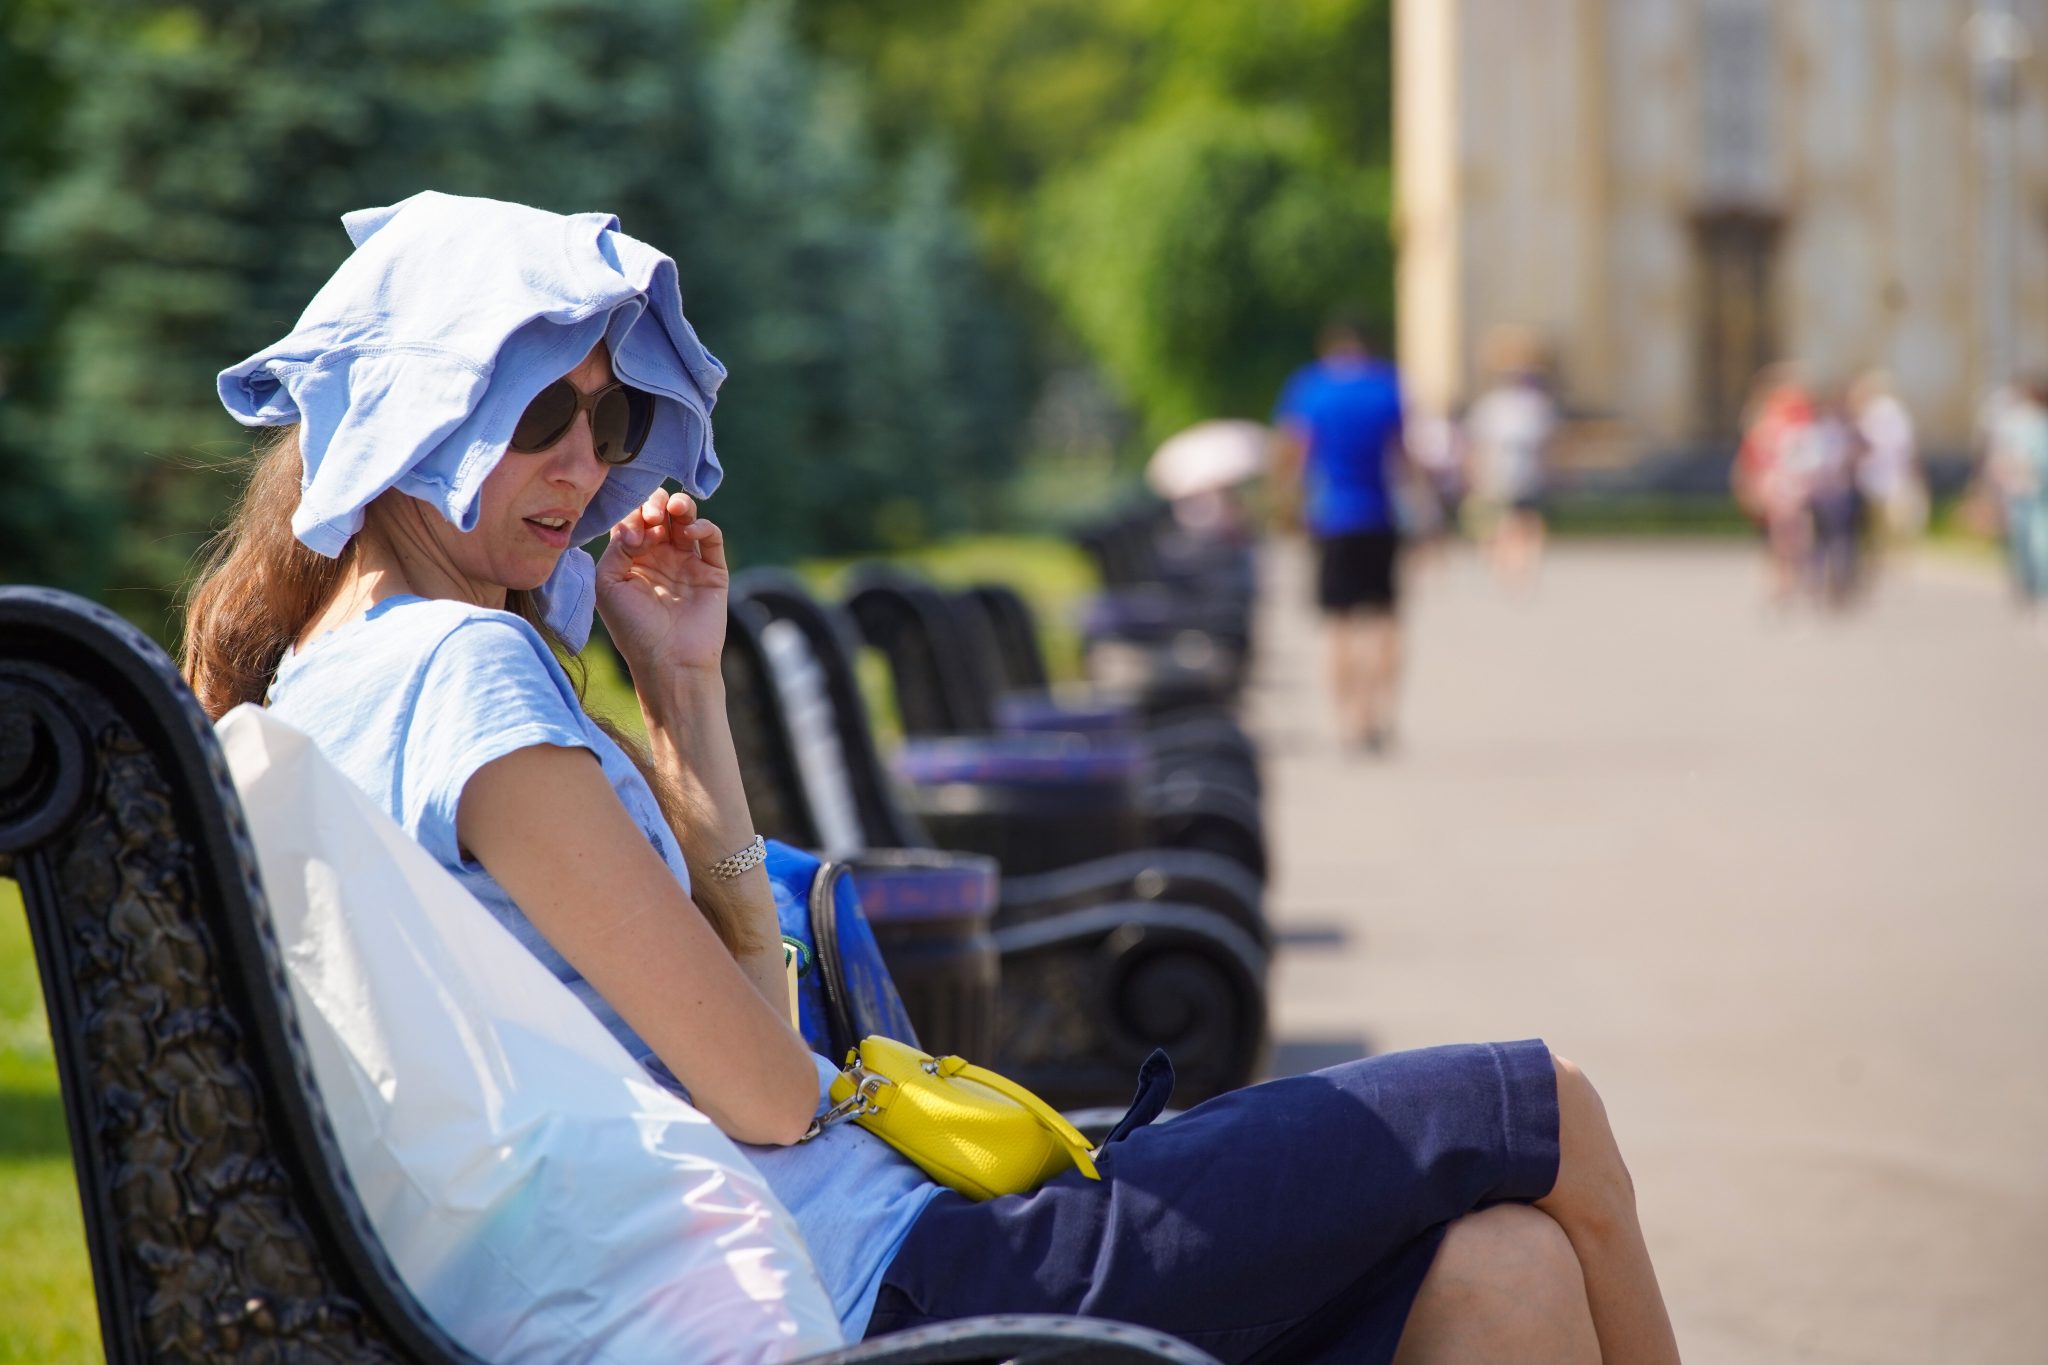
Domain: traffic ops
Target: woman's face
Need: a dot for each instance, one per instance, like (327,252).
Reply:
(531,501)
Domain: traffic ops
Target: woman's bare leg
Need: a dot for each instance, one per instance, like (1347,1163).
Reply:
(1505,1287)
(1594,1201)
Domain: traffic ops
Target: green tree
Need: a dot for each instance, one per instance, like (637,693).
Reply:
(871,399)
(43,506)
(202,157)
(183,206)
(1060,108)
(1199,249)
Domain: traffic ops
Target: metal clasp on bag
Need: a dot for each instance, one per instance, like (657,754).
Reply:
(866,1086)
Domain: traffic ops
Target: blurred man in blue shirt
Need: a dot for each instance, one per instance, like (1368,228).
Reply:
(1340,446)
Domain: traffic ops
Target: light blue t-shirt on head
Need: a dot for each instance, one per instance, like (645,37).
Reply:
(416,696)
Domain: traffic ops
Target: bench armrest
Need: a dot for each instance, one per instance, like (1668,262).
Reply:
(1038,1339)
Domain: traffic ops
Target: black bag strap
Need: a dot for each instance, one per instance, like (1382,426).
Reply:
(824,911)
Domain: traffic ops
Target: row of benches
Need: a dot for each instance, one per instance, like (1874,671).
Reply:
(1112,941)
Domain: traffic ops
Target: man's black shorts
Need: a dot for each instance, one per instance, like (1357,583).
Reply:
(1358,570)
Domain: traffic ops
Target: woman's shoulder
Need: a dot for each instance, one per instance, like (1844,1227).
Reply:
(438,619)
(411,637)
(426,624)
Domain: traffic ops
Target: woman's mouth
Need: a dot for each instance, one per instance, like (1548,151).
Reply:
(553,531)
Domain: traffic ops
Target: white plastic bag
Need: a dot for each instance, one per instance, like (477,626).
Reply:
(541,1197)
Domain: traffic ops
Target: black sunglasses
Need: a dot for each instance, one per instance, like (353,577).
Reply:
(620,417)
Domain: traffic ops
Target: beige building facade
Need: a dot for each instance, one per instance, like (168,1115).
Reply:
(1672,193)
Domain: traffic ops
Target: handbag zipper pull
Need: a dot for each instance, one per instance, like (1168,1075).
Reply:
(866,1086)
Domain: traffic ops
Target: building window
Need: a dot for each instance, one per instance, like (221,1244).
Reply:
(1738,87)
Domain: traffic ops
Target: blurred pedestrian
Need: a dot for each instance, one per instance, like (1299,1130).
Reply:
(1507,435)
(1435,453)
(1340,452)
(1769,480)
(2016,469)
(1426,503)
(1827,455)
(1894,486)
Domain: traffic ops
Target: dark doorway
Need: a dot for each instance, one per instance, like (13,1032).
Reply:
(1736,312)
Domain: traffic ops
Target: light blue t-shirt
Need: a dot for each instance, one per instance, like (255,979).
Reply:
(417,695)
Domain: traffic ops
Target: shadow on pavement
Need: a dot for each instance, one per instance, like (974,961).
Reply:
(1311,936)
(1294,1056)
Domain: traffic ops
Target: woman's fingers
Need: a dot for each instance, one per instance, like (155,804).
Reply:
(670,519)
(710,541)
(690,528)
(630,531)
(654,513)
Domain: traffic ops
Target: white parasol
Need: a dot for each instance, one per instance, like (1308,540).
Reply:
(1208,457)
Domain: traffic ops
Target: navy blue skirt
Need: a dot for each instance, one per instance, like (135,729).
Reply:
(1291,1221)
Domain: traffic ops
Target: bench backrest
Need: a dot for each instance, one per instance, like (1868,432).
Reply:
(218,1219)
(764,734)
(939,661)
(780,597)
(1014,630)
(799,683)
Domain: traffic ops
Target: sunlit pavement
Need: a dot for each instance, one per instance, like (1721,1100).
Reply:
(1778,883)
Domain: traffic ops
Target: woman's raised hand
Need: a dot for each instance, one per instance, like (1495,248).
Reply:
(661,587)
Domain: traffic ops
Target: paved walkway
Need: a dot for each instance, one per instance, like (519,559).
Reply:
(1779,885)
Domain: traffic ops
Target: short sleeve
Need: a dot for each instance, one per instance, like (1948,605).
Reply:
(487,690)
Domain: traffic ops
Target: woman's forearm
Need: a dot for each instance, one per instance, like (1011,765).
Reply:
(691,742)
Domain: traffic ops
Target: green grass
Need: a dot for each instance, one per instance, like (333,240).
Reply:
(1661,514)
(1951,535)
(1647,514)
(47,1312)
(608,689)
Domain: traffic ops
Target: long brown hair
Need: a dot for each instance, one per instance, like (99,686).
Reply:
(258,588)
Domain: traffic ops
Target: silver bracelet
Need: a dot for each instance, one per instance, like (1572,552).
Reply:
(732,864)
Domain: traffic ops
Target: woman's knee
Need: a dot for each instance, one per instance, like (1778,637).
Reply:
(1515,1248)
(1505,1285)
(1592,1179)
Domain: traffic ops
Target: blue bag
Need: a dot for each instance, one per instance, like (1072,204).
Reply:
(845,993)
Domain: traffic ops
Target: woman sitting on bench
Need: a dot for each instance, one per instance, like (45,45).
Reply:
(481,388)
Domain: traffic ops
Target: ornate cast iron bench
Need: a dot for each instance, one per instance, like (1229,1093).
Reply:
(220,1222)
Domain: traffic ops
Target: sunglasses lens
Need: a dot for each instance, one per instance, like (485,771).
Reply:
(641,408)
(609,423)
(546,417)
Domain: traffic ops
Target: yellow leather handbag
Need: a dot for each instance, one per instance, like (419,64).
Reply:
(966,1127)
